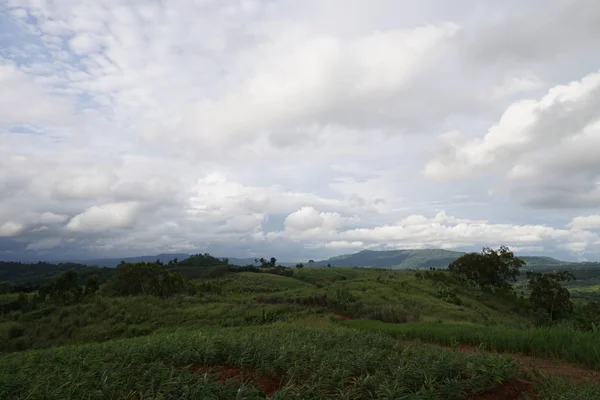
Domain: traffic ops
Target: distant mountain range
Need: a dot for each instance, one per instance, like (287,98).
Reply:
(394,259)
(164,258)
(426,258)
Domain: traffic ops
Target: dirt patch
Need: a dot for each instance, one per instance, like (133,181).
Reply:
(512,390)
(549,367)
(246,374)
(343,317)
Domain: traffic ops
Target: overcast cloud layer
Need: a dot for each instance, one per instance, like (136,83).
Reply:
(298,129)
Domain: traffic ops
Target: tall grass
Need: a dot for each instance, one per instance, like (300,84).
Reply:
(567,344)
(315,363)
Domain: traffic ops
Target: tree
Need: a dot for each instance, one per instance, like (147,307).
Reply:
(328,265)
(6,287)
(311,261)
(299,265)
(547,292)
(64,289)
(92,284)
(490,269)
(146,279)
(272,262)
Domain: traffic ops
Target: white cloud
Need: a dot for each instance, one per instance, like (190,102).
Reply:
(105,217)
(23,102)
(515,85)
(253,127)
(307,218)
(585,222)
(10,229)
(544,147)
(44,244)
(323,79)
(82,44)
(441,231)
(51,218)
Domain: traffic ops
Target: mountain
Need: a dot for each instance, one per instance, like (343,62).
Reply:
(164,258)
(113,262)
(397,259)
(425,258)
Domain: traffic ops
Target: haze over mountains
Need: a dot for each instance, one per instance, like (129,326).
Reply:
(396,259)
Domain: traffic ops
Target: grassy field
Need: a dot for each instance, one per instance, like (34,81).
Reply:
(249,335)
(561,343)
(319,362)
(253,299)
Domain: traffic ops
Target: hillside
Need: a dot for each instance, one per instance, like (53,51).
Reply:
(422,259)
(320,333)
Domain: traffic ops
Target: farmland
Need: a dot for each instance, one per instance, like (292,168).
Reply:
(335,333)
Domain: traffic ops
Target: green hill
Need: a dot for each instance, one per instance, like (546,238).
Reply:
(319,333)
(421,259)
(397,259)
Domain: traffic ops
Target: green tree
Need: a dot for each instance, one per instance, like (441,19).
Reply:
(299,265)
(490,269)
(6,287)
(64,289)
(92,284)
(549,294)
(145,279)
(272,262)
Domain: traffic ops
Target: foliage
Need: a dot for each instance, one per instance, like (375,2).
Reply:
(28,277)
(146,279)
(489,269)
(64,289)
(563,343)
(201,260)
(6,287)
(318,362)
(547,293)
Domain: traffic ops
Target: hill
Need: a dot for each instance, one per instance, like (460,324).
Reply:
(422,259)
(113,262)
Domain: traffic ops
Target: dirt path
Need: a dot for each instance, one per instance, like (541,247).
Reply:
(534,367)
(546,366)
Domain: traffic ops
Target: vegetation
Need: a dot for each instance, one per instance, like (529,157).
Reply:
(548,293)
(561,343)
(310,362)
(490,269)
(204,328)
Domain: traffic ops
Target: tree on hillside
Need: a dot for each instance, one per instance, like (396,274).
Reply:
(92,284)
(299,265)
(6,287)
(64,289)
(146,279)
(490,269)
(272,261)
(549,294)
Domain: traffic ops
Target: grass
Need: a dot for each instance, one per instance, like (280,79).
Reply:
(559,389)
(578,347)
(231,300)
(138,347)
(314,362)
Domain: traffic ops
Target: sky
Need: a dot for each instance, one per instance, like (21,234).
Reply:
(299,130)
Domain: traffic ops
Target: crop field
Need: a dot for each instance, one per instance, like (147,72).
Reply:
(297,362)
(323,333)
(582,348)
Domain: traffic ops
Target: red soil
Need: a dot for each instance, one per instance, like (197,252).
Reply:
(512,390)
(340,316)
(549,367)
(246,374)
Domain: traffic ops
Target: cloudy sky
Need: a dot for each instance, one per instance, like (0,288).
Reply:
(299,129)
